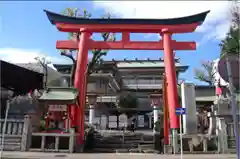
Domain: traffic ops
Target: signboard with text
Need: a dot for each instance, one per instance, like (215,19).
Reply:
(123,120)
(141,122)
(60,108)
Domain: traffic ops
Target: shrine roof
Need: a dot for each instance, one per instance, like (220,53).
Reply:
(145,64)
(58,18)
(59,95)
(19,79)
(130,64)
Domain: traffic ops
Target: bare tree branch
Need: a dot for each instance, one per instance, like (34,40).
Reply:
(95,63)
(205,74)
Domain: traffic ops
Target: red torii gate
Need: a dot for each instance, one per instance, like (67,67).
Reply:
(164,27)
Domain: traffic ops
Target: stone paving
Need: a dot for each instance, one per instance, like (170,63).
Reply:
(38,155)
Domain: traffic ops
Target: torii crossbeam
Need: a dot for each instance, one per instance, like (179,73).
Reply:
(164,27)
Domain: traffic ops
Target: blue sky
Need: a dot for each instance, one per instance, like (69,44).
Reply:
(25,29)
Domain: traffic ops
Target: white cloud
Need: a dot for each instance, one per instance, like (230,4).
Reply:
(15,55)
(215,26)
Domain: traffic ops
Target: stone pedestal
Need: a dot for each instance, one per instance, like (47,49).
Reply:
(79,148)
(157,142)
(167,149)
(175,141)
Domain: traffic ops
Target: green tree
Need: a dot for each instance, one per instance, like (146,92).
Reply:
(230,45)
(127,102)
(205,74)
(95,64)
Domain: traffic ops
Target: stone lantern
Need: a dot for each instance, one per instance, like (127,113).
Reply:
(92,99)
(155,103)
(156,99)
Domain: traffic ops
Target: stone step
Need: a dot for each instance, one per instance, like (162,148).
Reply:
(133,141)
(115,146)
(148,146)
(120,141)
(123,150)
(147,139)
(9,139)
(11,147)
(109,140)
(120,136)
(139,142)
(132,138)
(135,150)
(103,150)
(116,140)
(12,143)
(114,137)
(107,150)
(150,151)
(146,142)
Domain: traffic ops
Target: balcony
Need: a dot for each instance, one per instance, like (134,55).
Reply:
(142,84)
(103,83)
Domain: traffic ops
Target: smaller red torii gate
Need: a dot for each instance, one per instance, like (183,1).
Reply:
(164,27)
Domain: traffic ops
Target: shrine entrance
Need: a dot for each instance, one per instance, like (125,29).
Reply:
(165,27)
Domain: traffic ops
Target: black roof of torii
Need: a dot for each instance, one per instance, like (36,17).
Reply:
(58,18)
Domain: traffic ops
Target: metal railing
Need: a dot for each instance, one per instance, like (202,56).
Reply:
(141,81)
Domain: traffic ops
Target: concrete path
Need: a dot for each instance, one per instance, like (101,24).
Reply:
(38,155)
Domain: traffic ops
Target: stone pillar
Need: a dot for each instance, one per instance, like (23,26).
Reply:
(155,118)
(92,98)
(91,114)
(222,135)
(26,134)
(150,121)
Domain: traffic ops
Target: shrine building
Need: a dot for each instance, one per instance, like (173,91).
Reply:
(141,77)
